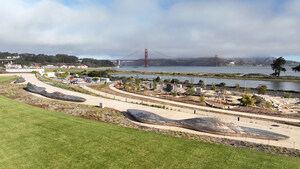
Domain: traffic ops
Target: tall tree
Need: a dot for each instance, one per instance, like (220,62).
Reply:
(277,66)
(297,68)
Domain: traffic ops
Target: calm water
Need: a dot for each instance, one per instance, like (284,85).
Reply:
(208,69)
(229,82)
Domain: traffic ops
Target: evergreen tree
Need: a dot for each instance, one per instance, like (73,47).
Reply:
(277,66)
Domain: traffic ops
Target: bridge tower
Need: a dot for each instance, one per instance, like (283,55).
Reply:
(146,58)
(217,60)
(118,63)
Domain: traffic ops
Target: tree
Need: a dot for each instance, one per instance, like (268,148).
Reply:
(101,73)
(262,89)
(175,81)
(186,82)
(297,68)
(201,83)
(157,79)
(277,66)
(222,85)
(247,100)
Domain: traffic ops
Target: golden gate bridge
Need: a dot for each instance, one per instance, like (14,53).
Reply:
(162,57)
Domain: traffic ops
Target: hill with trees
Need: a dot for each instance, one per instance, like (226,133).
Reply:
(42,59)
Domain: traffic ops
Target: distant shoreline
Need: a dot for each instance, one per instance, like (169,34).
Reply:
(217,75)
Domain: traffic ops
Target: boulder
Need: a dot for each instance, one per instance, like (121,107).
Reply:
(205,124)
(20,80)
(55,95)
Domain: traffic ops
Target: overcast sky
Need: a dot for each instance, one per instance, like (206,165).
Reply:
(179,28)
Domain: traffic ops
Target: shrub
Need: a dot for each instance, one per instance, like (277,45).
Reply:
(175,81)
(287,95)
(174,94)
(247,100)
(237,86)
(96,79)
(202,99)
(213,87)
(190,92)
(268,104)
(154,85)
(167,80)
(247,90)
(131,79)
(262,89)
(138,82)
(190,86)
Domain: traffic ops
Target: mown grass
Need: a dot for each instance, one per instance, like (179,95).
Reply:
(32,137)
(7,78)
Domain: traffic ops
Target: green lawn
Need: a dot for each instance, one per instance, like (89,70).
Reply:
(32,137)
(6,78)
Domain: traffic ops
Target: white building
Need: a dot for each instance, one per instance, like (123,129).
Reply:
(34,67)
(62,66)
(50,66)
(82,67)
(50,74)
(12,66)
(70,66)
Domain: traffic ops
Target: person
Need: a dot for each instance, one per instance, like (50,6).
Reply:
(238,118)
(194,111)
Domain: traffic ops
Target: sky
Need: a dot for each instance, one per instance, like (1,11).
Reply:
(111,29)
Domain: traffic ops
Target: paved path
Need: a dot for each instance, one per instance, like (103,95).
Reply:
(207,108)
(292,132)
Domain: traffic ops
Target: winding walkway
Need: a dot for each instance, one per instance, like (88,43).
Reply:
(292,132)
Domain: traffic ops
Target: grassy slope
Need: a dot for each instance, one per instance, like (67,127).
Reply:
(6,78)
(32,137)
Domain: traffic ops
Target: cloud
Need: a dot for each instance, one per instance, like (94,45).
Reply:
(179,28)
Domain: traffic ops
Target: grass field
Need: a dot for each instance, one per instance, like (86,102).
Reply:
(32,137)
(6,78)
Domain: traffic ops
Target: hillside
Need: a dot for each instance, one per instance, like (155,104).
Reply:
(253,61)
(42,59)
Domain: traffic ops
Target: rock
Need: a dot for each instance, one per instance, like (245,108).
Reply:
(55,95)
(20,80)
(206,124)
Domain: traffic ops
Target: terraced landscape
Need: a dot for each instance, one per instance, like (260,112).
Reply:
(37,138)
